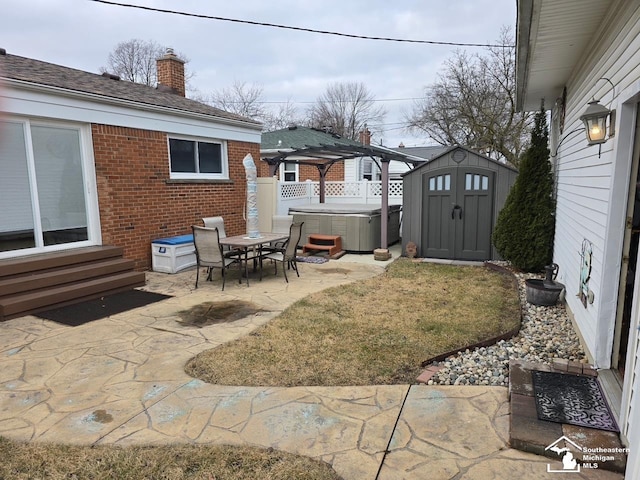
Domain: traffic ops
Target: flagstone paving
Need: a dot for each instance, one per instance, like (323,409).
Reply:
(121,380)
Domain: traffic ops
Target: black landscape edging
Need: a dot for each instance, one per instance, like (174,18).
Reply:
(491,341)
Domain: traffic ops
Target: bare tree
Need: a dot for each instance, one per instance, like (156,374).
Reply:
(346,108)
(135,61)
(247,100)
(472,103)
(281,116)
(240,98)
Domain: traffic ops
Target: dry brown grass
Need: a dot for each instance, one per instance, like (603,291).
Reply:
(53,462)
(377,331)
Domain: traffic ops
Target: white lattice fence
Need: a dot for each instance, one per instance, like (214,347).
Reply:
(395,188)
(304,193)
(293,190)
(374,189)
(342,189)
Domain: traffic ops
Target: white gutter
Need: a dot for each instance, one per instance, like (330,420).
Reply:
(523,53)
(106,100)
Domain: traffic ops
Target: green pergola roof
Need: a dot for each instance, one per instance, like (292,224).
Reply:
(301,137)
(309,146)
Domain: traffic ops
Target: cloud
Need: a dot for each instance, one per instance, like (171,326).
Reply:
(288,64)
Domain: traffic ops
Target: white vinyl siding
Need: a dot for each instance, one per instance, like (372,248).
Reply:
(351,170)
(592,192)
(88,108)
(591,202)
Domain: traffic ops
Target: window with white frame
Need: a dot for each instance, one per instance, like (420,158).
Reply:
(370,170)
(289,172)
(198,158)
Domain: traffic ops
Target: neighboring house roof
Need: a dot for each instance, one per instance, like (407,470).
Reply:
(30,72)
(551,40)
(427,152)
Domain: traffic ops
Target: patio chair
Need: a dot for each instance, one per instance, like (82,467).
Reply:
(218,222)
(215,222)
(280,224)
(287,253)
(209,252)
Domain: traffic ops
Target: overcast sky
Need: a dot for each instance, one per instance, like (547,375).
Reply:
(287,64)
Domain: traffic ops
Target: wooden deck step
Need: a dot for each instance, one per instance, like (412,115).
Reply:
(320,242)
(70,293)
(45,261)
(75,273)
(39,282)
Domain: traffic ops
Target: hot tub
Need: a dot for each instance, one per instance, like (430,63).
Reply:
(357,224)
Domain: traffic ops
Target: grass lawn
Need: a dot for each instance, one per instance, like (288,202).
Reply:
(376,331)
(53,462)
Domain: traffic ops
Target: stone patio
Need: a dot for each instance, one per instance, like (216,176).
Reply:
(120,380)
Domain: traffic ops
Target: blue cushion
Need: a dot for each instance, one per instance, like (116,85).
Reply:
(179,240)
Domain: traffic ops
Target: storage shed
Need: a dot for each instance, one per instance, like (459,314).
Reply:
(451,203)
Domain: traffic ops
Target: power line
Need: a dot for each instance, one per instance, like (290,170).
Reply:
(312,102)
(300,29)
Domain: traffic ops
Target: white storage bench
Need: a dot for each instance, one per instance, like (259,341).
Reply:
(173,254)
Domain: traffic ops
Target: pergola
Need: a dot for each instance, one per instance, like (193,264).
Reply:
(324,155)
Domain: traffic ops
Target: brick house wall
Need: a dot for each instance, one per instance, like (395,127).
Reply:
(335,173)
(139,203)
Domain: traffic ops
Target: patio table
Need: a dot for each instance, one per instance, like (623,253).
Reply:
(246,243)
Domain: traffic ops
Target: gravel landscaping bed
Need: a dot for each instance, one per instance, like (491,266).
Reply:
(546,333)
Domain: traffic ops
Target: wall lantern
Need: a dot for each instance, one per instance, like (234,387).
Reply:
(595,119)
(595,122)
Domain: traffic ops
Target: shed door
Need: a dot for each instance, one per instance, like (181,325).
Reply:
(438,225)
(457,213)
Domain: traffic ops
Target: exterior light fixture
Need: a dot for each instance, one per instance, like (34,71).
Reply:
(595,122)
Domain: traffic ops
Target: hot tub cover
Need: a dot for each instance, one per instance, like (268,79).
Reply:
(343,208)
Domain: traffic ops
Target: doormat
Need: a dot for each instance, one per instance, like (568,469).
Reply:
(573,399)
(312,259)
(90,310)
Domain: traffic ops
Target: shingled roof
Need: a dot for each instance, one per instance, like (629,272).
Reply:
(297,137)
(38,73)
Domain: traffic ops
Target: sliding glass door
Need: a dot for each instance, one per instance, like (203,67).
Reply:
(44,193)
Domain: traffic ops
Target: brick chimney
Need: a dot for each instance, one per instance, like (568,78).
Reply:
(171,73)
(365,136)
